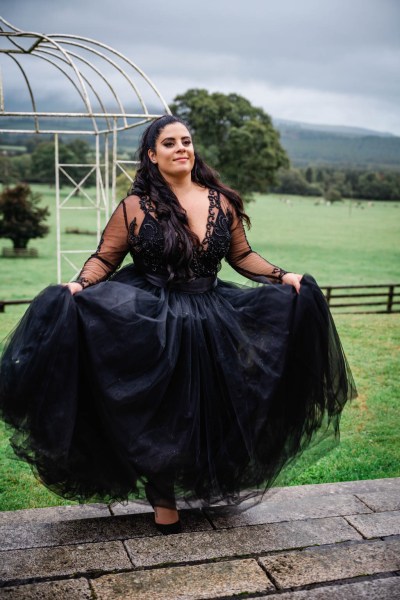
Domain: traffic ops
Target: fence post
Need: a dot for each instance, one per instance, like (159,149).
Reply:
(390,299)
(328,294)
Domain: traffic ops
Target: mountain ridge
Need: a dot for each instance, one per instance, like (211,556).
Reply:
(283,124)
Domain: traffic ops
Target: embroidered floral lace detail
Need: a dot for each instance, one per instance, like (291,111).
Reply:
(147,246)
(83,281)
(146,205)
(211,218)
(213,248)
(278,272)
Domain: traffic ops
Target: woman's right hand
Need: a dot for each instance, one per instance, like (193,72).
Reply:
(74,287)
(293,279)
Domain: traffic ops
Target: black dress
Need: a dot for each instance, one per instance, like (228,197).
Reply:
(205,387)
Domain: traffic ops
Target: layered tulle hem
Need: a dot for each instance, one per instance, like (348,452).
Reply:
(210,397)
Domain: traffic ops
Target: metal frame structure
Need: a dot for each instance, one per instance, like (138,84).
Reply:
(99,77)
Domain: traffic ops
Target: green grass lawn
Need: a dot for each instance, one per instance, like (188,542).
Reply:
(338,244)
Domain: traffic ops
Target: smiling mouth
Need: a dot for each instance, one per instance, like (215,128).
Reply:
(181,158)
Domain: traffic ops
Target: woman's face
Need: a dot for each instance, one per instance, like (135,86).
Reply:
(174,152)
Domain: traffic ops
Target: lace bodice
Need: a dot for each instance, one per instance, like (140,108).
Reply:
(134,228)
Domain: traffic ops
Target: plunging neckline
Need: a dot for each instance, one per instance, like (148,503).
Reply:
(212,217)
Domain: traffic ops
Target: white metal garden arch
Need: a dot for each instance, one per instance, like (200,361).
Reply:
(97,92)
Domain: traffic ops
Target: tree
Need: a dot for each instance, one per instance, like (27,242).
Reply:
(21,219)
(32,141)
(22,165)
(332,194)
(291,181)
(124,184)
(80,149)
(8,171)
(43,161)
(234,137)
(309,174)
(75,152)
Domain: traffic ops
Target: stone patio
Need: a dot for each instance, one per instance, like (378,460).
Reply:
(332,541)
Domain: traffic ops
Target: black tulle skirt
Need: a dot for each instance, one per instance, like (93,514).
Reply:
(218,395)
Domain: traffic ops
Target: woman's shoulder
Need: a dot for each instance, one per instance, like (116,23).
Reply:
(129,208)
(131,201)
(134,204)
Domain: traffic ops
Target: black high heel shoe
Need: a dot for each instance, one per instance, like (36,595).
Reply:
(164,528)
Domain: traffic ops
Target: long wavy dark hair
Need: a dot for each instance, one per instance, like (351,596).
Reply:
(179,240)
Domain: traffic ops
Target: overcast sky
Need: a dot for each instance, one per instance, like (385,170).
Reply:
(319,61)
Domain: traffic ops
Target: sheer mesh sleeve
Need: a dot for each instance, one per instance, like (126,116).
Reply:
(111,251)
(247,262)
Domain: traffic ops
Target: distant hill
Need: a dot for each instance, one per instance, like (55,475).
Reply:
(306,144)
(328,145)
(345,130)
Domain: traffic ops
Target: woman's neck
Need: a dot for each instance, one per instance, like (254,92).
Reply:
(182,185)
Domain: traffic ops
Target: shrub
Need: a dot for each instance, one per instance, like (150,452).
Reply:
(21,217)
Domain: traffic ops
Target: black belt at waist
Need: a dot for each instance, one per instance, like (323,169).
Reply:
(195,286)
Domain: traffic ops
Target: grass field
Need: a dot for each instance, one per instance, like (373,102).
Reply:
(338,244)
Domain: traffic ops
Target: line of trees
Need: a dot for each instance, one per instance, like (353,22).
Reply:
(335,184)
(37,165)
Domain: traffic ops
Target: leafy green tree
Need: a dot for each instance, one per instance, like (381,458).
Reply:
(351,182)
(309,174)
(43,161)
(22,165)
(21,217)
(372,186)
(292,181)
(235,137)
(8,172)
(32,141)
(332,194)
(124,184)
(80,149)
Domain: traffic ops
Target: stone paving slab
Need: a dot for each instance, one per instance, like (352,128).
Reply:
(341,487)
(287,510)
(339,561)
(90,530)
(371,589)
(74,532)
(72,589)
(238,542)
(196,582)
(308,535)
(54,514)
(377,524)
(62,561)
(381,501)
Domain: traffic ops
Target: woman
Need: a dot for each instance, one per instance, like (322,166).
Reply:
(160,379)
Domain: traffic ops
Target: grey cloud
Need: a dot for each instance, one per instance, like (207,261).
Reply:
(337,47)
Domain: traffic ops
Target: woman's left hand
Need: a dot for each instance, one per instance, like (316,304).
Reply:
(292,279)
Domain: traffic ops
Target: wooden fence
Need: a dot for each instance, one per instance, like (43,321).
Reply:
(384,298)
(363,299)
(4,303)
